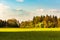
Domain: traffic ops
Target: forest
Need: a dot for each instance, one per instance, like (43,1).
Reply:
(37,22)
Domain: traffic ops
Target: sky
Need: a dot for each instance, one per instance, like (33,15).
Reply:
(24,10)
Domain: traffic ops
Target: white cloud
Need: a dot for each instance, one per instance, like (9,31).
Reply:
(20,0)
(22,15)
(29,15)
(6,13)
(3,7)
(18,9)
(54,10)
(39,12)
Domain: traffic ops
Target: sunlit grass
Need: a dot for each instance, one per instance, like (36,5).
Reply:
(27,29)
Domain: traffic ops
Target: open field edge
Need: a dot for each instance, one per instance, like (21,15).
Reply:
(27,29)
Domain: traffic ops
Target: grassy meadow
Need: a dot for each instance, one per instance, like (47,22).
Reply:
(29,33)
(32,35)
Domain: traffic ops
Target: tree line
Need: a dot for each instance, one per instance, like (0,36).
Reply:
(36,22)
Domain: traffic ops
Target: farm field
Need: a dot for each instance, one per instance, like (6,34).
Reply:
(27,29)
(32,35)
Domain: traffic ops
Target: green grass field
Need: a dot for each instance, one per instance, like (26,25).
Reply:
(37,35)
